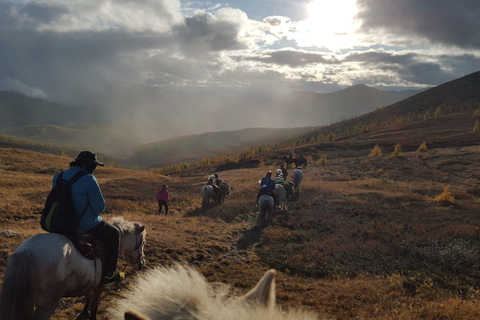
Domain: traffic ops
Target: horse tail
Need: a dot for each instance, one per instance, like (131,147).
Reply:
(15,299)
(265,214)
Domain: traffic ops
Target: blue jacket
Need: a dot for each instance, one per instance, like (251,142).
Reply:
(85,192)
(269,183)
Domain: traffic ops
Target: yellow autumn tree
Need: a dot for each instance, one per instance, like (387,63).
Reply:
(376,152)
(261,164)
(476,127)
(446,196)
(397,152)
(422,147)
(476,114)
(322,160)
(426,116)
(438,113)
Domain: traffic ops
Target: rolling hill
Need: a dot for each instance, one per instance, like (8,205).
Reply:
(195,147)
(18,110)
(461,96)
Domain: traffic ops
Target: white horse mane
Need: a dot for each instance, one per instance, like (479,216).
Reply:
(181,292)
(124,225)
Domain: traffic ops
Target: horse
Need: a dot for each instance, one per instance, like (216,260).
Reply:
(224,191)
(181,292)
(47,267)
(266,204)
(300,162)
(281,194)
(288,161)
(297,179)
(207,194)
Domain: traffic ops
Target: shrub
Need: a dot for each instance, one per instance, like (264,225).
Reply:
(437,113)
(397,152)
(376,152)
(446,196)
(422,147)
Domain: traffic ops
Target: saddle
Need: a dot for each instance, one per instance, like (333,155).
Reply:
(86,243)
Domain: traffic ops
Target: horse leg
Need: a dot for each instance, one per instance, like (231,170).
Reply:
(45,307)
(86,309)
(94,301)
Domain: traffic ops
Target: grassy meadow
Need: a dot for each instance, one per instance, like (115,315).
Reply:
(369,237)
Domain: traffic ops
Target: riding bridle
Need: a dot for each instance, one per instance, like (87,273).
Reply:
(138,246)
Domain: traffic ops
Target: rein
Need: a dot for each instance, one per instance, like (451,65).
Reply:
(138,245)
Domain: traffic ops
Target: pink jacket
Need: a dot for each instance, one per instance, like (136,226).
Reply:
(163,194)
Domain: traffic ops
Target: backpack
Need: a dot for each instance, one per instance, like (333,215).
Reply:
(59,215)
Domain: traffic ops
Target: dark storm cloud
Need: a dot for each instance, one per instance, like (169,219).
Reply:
(204,32)
(450,22)
(426,69)
(381,57)
(70,65)
(293,58)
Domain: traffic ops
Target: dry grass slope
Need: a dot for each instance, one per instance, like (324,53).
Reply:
(366,239)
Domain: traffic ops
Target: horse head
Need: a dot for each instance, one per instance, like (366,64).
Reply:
(132,242)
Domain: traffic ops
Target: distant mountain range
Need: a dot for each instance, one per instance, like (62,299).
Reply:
(461,93)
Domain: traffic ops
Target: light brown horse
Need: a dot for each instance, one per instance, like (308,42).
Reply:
(181,293)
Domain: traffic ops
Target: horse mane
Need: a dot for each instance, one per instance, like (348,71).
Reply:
(181,292)
(123,225)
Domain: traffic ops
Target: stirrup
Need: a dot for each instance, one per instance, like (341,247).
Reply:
(116,277)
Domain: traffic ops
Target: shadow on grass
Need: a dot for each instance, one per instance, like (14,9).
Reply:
(249,238)
(201,212)
(253,235)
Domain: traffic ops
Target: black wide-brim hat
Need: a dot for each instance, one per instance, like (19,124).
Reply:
(88,156)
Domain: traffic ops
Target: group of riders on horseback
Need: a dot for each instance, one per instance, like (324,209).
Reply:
(89,204)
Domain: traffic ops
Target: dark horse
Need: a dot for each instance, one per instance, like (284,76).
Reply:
(297,161)
(288,161)
(300,162)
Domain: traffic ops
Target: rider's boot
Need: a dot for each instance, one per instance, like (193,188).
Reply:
(116,277)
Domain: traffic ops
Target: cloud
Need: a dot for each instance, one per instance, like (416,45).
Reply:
(293,58)
(204,32)
(448,22)
(83,51)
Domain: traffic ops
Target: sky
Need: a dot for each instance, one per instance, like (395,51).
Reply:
(70,51)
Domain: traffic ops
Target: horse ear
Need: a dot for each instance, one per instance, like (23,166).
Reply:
(140,229)
(264,291)
(132,315)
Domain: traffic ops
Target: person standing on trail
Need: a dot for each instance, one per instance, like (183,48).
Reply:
(89,204)
(163,199)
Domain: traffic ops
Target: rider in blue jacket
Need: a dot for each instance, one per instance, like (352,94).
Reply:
(89,204)
(267,186)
